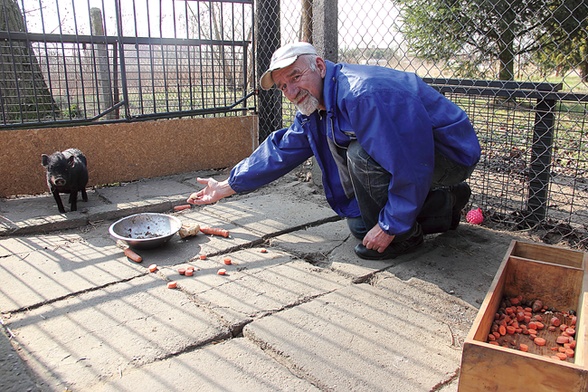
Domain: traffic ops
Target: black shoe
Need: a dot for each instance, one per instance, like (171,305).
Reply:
(393,250)
(461,195)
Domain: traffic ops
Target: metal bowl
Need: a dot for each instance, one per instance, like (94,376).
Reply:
(145,230)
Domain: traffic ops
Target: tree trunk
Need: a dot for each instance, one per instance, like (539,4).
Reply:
(24,95)
(306,22)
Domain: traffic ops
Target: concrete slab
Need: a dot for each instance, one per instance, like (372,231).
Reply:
(142,190)
(256,284)
(461,262)
(235,365)
(44,268)
(313,242)
(265,215)
(76,343)
(363,338)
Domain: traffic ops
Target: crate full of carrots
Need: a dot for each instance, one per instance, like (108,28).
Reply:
(530,332)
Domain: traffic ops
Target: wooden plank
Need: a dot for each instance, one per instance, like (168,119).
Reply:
(492,368)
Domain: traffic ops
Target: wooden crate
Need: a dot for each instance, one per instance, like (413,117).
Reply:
(558,277)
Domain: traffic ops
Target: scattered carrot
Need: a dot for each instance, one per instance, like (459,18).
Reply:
(215,231)
(182,207)
(562,339)
(222,271)
(228,261)
(561,356)
(502,330)
(523,347)
(172,285)
(189,272)
(181,271)
(202,257)
(263,250)
(539,341)
(510,329)
(153,268)
(570,331)
(132,255)
(190,268)
(569,352)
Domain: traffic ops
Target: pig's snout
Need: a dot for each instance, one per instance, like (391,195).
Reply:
(59,181)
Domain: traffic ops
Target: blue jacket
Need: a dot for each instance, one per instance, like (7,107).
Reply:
(399,121)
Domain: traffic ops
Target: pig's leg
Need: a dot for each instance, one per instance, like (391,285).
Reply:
(84,195)
(73,200)
(58,201)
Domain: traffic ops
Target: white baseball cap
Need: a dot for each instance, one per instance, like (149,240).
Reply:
(283,57)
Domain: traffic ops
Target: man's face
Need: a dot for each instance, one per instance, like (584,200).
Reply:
(302,84)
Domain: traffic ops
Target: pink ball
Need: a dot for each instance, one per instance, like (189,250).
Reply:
(475,217)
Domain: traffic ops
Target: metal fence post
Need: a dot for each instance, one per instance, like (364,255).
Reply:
(325,33)
(325,40)
(540,160)
(268,40)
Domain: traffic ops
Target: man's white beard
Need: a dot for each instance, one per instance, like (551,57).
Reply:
(309,105)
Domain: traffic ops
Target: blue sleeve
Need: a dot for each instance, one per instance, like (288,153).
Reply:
(397,133)
(280,153)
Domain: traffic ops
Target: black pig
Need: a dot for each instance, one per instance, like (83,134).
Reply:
(67,172)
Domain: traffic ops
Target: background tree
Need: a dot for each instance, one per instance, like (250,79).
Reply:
(564,44)
(473,34)
(305,34)
(23,92)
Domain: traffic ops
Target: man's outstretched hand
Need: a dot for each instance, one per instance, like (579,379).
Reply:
(212,192)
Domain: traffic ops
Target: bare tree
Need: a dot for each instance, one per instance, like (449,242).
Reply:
(24,95)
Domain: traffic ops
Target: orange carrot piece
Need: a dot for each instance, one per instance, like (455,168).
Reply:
(562,339)
(510,330)
(202,257)
(502,330)
(215,231)
(523,347)
(539,341)
(153,268)
(189,272)
(222,271)
(227,261)
(561,356)
(172,285)
(132,255)
(263,250)
(182,207)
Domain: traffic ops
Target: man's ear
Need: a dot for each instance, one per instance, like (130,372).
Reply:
(322,66)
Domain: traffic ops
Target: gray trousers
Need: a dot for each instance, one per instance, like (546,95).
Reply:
(370,185)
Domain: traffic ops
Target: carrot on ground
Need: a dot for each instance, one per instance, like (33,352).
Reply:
(172,285)
(222,271)
(153,268)
(215,231)
(182,207)
(132,255)
(228,261)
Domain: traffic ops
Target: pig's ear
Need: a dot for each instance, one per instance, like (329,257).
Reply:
(44,160)
(71,161)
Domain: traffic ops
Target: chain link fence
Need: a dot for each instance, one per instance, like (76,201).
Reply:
(520,71)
